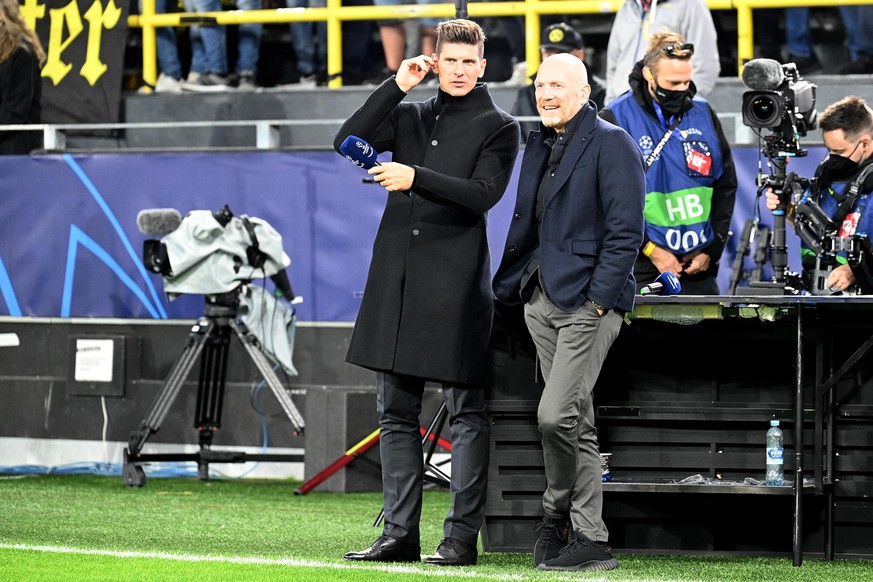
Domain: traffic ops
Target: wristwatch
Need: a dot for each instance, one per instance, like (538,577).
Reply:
(602,309)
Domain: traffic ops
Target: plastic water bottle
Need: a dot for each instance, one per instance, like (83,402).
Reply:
(775,474)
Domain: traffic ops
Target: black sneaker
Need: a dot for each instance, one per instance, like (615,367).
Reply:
(581,554)
(551,539)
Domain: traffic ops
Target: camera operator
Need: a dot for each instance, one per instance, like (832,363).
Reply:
(847,127)
(691,183)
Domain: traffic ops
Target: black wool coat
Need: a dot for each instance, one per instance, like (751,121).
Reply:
(427,305)
(20,93)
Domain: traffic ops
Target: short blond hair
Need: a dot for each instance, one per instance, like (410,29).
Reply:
(658,42)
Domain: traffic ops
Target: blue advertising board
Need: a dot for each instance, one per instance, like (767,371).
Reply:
(70,246)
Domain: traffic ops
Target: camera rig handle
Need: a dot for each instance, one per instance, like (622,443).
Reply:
(778,247)
(813,226)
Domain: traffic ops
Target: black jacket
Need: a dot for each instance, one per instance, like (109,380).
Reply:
(20,92)
(427,306)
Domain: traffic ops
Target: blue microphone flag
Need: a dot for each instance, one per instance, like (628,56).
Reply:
(359,152)
(666,283)
(670,282)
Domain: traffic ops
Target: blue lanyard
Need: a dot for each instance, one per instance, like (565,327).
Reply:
(660,113)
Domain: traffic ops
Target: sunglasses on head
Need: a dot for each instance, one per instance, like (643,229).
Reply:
(673,50)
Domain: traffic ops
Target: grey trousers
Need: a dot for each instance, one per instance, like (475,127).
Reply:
(571,348)
(398,401)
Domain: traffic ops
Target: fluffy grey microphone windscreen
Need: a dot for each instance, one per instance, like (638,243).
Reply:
(158,221)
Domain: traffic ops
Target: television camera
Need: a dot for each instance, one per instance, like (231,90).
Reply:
(217,254)
(782,103)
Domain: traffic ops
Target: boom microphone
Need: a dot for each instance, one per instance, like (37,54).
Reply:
(666,284)
(158,221)
(359,152)
(763,75)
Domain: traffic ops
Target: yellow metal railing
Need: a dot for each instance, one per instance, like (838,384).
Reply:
(334,14)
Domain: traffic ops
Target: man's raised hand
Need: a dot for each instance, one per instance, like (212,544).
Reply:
(412,72)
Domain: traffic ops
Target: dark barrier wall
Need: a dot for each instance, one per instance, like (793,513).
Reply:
(70,245)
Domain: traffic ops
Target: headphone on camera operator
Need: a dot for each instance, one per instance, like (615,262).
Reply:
(830,215)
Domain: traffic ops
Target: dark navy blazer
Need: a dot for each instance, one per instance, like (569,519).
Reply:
(592,224)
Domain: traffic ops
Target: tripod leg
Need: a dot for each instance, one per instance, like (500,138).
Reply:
(170,389)
(210,393)
(433,433)
(203,463)
(253,347)
(133,474)
(213,374)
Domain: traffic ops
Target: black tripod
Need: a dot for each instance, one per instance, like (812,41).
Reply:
(209,338)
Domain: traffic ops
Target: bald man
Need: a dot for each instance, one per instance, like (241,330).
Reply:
(568,261)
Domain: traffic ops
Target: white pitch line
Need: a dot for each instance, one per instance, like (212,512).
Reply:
(398,569)
(264,561)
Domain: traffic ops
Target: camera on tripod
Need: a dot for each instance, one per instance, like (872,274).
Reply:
(217,254)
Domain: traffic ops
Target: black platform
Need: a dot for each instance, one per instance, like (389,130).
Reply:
(678,401)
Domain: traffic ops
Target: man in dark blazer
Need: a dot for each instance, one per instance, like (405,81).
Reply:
(569,256)
(427,307)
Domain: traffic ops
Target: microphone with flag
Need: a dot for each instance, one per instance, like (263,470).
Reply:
(359,152)
(666,284)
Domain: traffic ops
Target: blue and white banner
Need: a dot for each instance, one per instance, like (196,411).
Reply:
(70,245)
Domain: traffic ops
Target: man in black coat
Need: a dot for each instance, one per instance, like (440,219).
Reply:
(568,259)
(427,307)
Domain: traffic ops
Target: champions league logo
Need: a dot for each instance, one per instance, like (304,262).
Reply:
(646,145)
(366,151)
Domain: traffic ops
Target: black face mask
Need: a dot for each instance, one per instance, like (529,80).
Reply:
(841,167)
(673,102)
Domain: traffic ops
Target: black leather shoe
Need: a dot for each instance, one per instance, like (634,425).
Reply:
(387,549)
(453,552)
